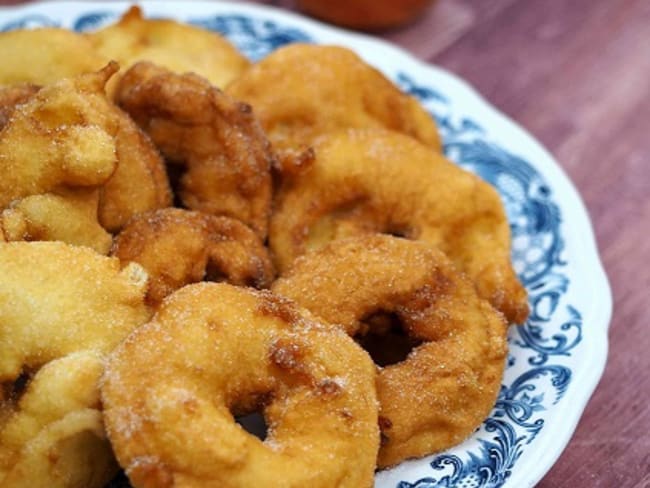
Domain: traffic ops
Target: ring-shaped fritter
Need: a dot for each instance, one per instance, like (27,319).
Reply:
(366,181)
(302,91)
(214,351)
(448,384)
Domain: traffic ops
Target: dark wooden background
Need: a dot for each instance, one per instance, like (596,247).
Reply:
(576,73)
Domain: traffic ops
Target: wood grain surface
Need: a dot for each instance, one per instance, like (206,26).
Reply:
(576,74)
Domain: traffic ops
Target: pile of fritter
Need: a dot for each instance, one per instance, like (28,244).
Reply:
(187,239)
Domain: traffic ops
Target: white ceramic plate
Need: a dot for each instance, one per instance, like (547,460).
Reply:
(558,356)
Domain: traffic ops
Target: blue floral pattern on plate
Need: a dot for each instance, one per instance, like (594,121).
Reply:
(554,329)
(537,246)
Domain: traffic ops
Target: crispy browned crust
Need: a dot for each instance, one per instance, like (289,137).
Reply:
(178,247)
(214,351)
(139,183)
(448,384)
(374,180)
(226,154)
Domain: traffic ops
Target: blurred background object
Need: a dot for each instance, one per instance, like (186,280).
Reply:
(370,15)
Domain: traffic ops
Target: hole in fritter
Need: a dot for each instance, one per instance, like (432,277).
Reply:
(385,339)
(248,411)
(12,391)
(403,231)
(120,481)
(254,423)
(174,174)
(214,273)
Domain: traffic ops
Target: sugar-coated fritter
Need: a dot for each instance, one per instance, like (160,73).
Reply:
(52,433)
(214,351)
(13,95)
(61,140)
(222,146)
(181,48)
(178,247)
(62,308)
(301,91)
(70,216)
(139,182)
(63,135)
(351,156)
(447,385)
(56,299)
(45,55)
(363,181)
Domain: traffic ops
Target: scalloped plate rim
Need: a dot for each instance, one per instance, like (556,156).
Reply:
(599,314)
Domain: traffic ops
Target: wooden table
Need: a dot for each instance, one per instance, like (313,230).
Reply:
(576,73)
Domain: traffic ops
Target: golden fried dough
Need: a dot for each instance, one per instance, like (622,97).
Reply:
(140,182)
(44,56)
(178,247)
(62,308)
(13,95)
(62,136)
(214,351)
(452,378)
(364,181)
(226,154)
(53,434)
(181,48)
(59,142)
(56,299)
(311,152)
(70,217)
(302,91)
